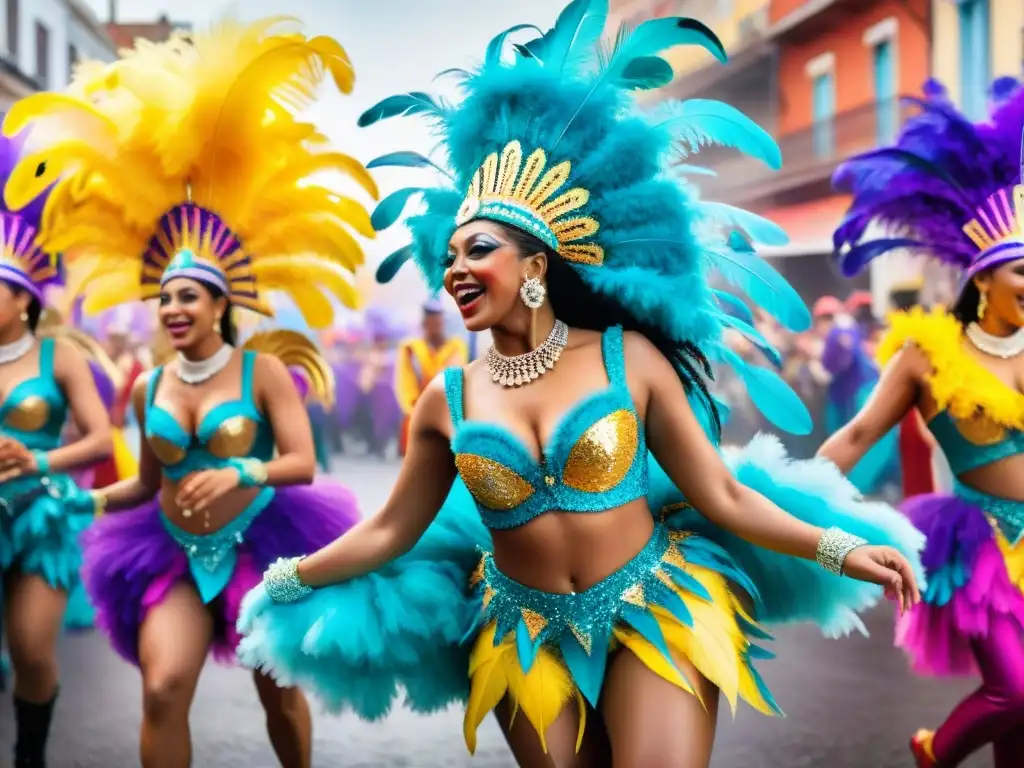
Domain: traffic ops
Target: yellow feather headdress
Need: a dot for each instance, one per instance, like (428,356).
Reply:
(188,158)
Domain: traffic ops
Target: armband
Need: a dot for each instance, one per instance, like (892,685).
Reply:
(252,473)
(281,581)
(833,547)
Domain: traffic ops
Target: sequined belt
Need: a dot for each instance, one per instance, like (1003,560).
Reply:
(212,556)
(540,617)
(16,495)
(1006,515)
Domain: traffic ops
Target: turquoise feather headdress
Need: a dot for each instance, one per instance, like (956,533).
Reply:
(550,140)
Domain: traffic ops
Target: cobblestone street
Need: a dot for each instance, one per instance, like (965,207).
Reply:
(850,704)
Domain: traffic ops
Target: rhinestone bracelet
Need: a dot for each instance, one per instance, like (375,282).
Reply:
(833,547)
(281,580)
(252,473)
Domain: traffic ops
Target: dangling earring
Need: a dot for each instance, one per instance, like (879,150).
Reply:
(982,304)
(24,317)
(533,293)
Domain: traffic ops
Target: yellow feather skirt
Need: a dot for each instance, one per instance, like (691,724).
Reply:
(679,598)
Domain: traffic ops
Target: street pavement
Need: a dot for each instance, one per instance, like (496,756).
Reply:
(850,704)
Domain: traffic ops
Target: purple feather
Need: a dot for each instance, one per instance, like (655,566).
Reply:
(10,152)
(103,384)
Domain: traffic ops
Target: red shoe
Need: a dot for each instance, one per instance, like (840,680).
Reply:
(921,747)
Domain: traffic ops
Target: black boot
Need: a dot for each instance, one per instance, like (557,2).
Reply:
(33,730)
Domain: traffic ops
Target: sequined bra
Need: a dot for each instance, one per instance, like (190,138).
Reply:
(596,459)
(232,429)
(975,442)
(35,410)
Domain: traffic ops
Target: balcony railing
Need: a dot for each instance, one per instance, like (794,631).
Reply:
(810,154)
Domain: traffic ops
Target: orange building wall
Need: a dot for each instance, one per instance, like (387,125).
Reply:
(853,62)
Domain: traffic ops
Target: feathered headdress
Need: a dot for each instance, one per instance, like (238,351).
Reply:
(22,262)
(948,188)
(187,158)
(548,138)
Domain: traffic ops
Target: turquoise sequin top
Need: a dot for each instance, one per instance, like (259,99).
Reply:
(35,410)
(963,453)
(232,430)
(596,459)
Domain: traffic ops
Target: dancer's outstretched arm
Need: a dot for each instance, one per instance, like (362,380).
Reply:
(423,484)
(896,393)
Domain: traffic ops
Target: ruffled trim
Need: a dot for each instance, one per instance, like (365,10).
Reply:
(959,383)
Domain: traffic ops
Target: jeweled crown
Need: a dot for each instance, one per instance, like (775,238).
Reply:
(998,228)
(527,194)
(21,261)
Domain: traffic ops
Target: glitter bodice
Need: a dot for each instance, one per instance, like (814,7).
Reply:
(233,429)
(596,459)
(35,410)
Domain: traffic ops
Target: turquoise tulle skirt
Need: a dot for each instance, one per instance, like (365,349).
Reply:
(409,626)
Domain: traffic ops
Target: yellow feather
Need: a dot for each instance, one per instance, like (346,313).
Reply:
(280,273)
(35,106)
(315,307)
(651,657)
(543,693)
(309,233)
(488,682)
(109,291)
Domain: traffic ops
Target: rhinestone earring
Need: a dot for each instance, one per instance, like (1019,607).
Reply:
(533,293)
(982,304)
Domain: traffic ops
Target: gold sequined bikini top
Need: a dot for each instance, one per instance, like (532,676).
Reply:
(233,429)
(596,460)
(35,410)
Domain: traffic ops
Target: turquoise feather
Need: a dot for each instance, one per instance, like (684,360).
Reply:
(734,306)
(497,44)
(389,210)
(685,169)
(571,42)
(413,103)
(646,73)
(754,336)
(765,287)
(406,160)
(758,228)
(392,263)
(526,648)
(773,397)
(698,122)
(587,669)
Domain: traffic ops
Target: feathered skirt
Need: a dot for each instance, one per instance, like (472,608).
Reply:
(41,519)
(975,574)
(133,558)
(443,624)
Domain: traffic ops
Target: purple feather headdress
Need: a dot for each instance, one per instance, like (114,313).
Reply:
(22,262)
(949,188)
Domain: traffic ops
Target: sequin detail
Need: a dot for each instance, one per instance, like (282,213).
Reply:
(530,195)
(833,547)
(494,486)
(535,623)
(281,580)
(1005,514)
(603,454)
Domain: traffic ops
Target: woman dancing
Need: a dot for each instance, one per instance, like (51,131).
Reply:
(958,188)
(563,235)
(224,205)
(44,380)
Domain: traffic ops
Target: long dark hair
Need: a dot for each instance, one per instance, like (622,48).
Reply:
(35,308)
(227,321)
(966,308)
(579,306)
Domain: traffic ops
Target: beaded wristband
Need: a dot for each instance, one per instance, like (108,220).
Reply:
(252,473)
(99,503)
(281,580)
(833,547)
(42,462)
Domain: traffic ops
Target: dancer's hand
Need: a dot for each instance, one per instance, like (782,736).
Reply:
(887,567)
(15,460)
(200,491)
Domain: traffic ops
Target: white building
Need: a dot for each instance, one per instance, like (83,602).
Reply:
(40,42)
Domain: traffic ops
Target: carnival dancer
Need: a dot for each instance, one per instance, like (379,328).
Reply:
(204,201)
(564,234)
(956,190)
(44,380)
(421,358)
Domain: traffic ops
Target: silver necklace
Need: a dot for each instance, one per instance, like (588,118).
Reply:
(197,371)
(522,369)
(16,349)
(1004,347)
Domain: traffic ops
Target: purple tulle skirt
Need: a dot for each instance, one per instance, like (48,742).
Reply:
(131,562)
(968,586)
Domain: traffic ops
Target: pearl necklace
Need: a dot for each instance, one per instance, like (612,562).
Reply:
(198,371)
(1004,347)
(522,369)
(16,349)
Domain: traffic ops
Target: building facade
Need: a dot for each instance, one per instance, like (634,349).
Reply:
(975,42)
(42,40)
